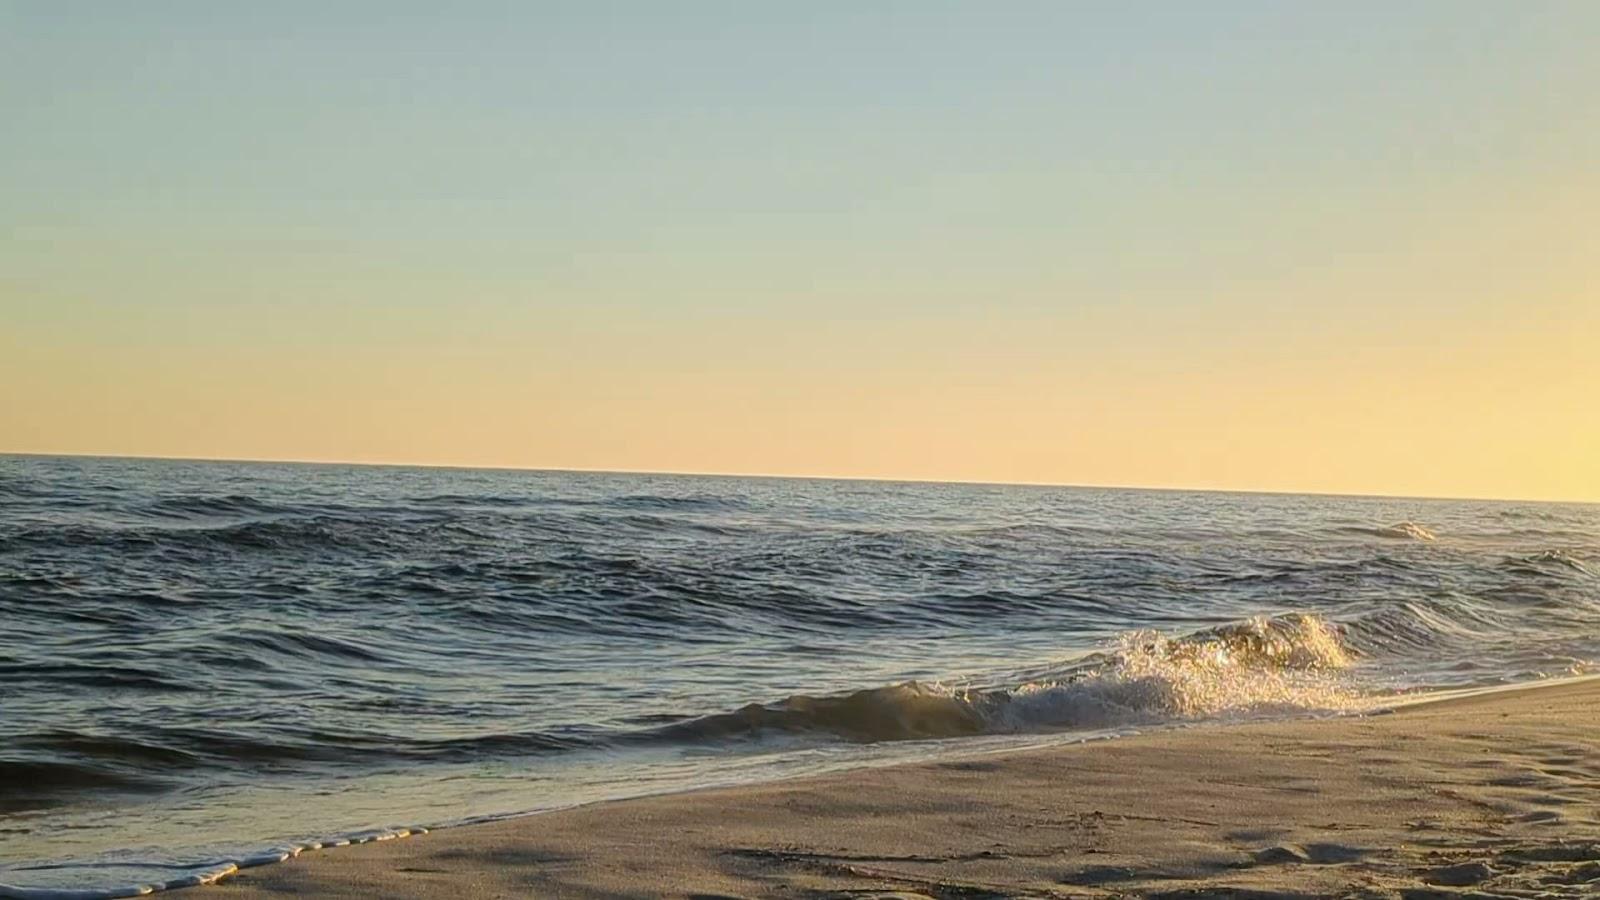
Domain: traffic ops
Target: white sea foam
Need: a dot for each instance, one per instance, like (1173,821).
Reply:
(1264,665)
(209,873)
(1282,664)
(1410,530)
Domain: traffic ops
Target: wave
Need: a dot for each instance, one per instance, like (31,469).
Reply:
(325,647)
(469,500)
(675,502)
(1544,562)
(212,506)
(50,769)
(92,675)
(30,784)
(1262,665)
(1405,530)
(316,533)
(322,745)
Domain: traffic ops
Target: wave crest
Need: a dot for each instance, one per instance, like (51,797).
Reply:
(1282,664)
(1544,560)
(1406,530)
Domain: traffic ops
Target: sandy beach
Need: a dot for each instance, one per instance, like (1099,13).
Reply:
(1496,794)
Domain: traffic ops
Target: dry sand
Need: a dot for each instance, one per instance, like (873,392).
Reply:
(1493,795)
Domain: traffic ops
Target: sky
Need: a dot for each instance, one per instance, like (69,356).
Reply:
(1343,247)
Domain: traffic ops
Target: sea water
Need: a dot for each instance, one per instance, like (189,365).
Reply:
(204,664)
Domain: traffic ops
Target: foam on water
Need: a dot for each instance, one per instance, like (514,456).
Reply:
(1289,663)
(1404,530)
(1411,530)
(1286,664)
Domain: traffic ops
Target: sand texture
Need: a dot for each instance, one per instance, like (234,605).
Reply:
(1496,795)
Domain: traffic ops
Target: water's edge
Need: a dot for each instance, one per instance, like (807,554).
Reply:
(222,869)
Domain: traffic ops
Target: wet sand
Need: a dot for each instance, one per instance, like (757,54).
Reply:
(1490,795)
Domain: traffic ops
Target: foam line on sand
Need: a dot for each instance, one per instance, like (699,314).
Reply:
(208,875)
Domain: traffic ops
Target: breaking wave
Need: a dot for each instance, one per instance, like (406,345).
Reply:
(1406,530)
(1546,560)
(1282,664)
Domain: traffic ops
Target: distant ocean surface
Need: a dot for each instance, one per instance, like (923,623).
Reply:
(202,662)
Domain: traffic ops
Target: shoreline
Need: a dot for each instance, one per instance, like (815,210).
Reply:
(227,870)
(1413,779)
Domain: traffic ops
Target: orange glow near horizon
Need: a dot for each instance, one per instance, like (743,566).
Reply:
(1340,250)
(1494,409)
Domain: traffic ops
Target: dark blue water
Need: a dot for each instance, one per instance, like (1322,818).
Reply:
(201,660)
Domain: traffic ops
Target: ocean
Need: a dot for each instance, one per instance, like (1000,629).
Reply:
(208,663)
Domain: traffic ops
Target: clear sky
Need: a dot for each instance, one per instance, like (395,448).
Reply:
(1345,247)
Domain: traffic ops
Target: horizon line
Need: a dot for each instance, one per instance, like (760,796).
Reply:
(792,477)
